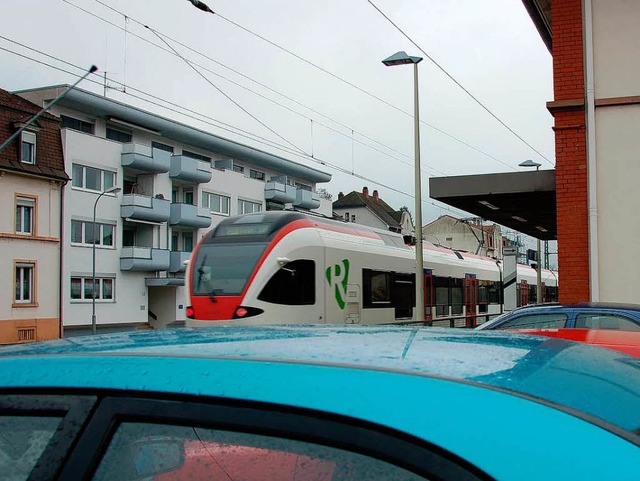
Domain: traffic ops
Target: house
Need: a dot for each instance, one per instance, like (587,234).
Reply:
(32,176)
(465,235)
(371,210)
(176,181)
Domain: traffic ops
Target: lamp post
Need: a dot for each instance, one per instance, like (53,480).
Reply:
(401,58)
(112,190)
(531,163)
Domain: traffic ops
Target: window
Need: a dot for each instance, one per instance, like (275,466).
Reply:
(25,283)
(193,155)
(247,207)
(256,174)
(165,147)
(75,124)
(441,286)
(404,295)
(187,242)
(606,321)
(25,441)
(376,288)
(90,178)
(146,450)
(294,284)
(353,218)
(82,288)
(187,197)
(25,208)
(535,321)
(237,168)
(218,204)
(118,135)
(456,297)
(346,217)
(28,148)
(83,233)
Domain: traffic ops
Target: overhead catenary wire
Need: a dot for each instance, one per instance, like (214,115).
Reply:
(465,90)
(422,122)
(316,160)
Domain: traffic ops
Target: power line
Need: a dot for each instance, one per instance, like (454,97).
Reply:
(317,160)
(466,144)
(475,99)
(225,94)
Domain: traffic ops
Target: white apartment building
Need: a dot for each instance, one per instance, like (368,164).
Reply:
(176,182)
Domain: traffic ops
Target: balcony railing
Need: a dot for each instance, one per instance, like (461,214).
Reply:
(279,192)
(143,207)
(145,159)
(188,169)
(144,259)
(306,199)
(188,215)
(178,259)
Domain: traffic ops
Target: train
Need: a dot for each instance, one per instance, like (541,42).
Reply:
(288,267)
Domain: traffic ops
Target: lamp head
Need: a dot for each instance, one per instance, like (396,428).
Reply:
(530,163)
(400,58)
(113,190)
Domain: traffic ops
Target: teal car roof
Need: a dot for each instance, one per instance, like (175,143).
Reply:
(594,381)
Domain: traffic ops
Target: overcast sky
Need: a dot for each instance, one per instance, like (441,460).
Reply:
(351,112)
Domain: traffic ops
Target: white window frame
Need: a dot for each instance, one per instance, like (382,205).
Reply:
(28,138)
(99,243)
(206,202)
(99,288)
(84,179)
(23,204)
(21,269)
(242,204)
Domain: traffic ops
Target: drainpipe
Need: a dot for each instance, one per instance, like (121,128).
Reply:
(591,153)
(61,283)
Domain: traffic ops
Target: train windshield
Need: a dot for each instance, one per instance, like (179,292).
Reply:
(223,269)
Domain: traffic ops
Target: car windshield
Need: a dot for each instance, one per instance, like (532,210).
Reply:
(223,269)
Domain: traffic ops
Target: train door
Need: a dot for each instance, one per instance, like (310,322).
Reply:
(470,299)
(428,295)
(543,293)
(343,293)
(524,293)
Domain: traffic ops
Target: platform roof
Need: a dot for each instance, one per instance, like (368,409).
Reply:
(522,201)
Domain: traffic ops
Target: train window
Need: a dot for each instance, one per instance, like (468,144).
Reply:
(293,285)
(441,285)
(376,288)
(456,296)
(404,295)
(483,297)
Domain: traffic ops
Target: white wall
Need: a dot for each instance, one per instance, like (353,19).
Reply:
(617,74)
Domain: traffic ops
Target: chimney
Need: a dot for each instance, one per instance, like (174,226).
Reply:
(375,195)
(340,195)
(365,192)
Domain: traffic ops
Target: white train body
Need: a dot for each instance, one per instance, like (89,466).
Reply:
(289,268)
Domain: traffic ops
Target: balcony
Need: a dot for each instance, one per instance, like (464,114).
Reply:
(279,192)
(142,158)
(190,170)
(177,261)
(143,207)
(187,215)
(144,259)
(306,199)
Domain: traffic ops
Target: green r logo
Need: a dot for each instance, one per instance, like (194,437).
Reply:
(338,279)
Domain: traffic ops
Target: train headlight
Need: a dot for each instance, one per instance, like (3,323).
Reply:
(243,312)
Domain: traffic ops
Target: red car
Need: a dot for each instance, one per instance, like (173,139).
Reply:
(623,341)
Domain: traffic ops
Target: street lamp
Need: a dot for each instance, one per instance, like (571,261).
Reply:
(531,163)
(401,58)
(112,190)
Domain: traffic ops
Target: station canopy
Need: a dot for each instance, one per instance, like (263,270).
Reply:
(522,201)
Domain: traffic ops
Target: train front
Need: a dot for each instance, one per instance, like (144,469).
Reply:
(226,261)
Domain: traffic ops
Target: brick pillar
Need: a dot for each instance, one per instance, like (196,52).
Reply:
(568,110)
